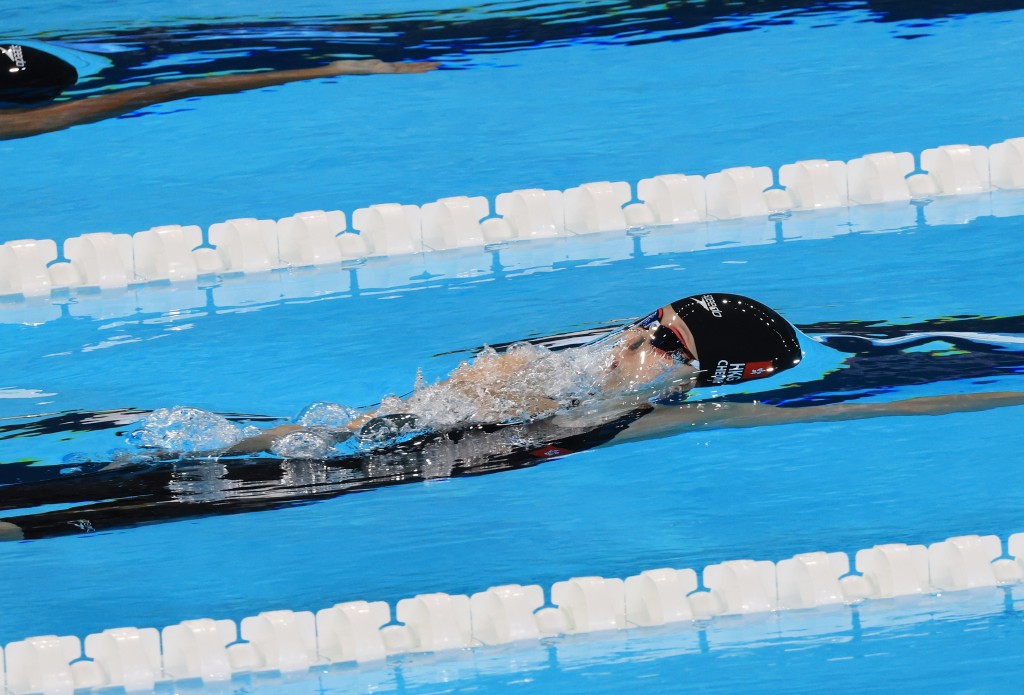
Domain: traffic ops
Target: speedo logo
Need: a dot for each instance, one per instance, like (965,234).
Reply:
(650,321)
(726,371)
(708,302)
(15,55)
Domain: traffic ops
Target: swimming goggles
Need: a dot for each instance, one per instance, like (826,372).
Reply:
(662,338)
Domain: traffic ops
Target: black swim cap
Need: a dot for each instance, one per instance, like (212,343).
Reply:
(29,76)
(737,338)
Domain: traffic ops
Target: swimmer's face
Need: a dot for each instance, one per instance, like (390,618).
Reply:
(658,347)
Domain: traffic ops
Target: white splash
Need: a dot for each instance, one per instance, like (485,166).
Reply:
(187,430)
(303,444)
(523,384)
(527,382)
(326,414)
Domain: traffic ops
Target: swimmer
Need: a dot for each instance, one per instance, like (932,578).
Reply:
(692,365)
(30,77)
(713,339)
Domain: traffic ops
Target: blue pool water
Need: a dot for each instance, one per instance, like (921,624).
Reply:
(830,86)
(833,83)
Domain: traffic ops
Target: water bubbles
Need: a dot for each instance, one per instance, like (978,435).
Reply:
(391,404)
(526,382)
(120,455)
(187,430)
(303,444)
(389,429)
(326,414)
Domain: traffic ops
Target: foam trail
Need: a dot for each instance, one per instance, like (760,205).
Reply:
(184,429)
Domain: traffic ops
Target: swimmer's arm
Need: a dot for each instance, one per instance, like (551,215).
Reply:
(467,377)
(266,438)
(22,123)
(492,375)
(262,441)
(665,421)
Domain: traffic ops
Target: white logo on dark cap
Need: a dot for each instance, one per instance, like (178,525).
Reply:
(726,372)
(15,55)
(708,302)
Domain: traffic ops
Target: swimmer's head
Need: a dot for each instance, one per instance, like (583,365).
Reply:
(650,353)
(732,338)
(29,76)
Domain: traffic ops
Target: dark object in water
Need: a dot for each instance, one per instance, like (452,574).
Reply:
(166,490)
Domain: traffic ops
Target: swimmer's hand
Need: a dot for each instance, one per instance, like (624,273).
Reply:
(377,67)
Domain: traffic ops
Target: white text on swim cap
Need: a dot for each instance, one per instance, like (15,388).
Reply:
(726,371)
(16,56)
(708,302)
